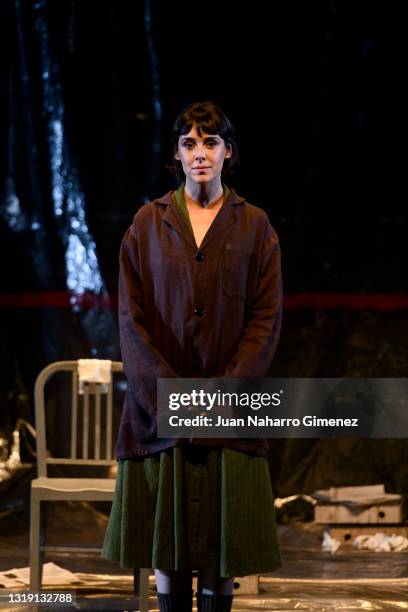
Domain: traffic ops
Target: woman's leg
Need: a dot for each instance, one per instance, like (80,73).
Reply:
(174,592)
(209,583)
(172,581)
(214,594)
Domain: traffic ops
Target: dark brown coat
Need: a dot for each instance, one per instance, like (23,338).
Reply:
(193,314)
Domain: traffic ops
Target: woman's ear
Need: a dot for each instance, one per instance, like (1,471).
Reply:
(228,152)
(176,155)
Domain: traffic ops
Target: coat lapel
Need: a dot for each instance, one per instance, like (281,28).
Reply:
(173,218)
(226,217)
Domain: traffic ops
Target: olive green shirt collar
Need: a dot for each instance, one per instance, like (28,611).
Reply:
(180,201)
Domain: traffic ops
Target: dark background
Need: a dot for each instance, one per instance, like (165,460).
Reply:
(89,91)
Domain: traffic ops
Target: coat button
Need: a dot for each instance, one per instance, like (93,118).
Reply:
(199,312)
(199,256)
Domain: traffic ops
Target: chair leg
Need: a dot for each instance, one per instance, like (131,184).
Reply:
(35,560)
(141,587)
(43,530)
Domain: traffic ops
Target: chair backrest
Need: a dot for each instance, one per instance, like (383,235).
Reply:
(90,420)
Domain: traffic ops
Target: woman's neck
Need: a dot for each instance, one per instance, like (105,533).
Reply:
(204,194)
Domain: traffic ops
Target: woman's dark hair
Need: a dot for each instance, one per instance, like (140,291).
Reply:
(208,118)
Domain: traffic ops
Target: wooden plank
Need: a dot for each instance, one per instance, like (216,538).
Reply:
(386,513)
(347,533)
(245,585)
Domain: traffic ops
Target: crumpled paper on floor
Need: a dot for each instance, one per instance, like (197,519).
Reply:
(380,542)
(330,544)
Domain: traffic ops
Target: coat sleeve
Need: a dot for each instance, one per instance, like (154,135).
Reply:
(257,346)
(142,362)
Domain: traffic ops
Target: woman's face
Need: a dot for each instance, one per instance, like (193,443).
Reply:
(202,157)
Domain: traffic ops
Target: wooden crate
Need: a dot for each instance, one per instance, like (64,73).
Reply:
(378,514)
(245,585)
(346,534)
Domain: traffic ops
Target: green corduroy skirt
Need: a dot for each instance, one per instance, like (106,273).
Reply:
(190,508)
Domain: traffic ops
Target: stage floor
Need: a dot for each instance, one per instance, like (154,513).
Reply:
(308,580)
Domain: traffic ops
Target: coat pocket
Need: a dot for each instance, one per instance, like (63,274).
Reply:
(241,270)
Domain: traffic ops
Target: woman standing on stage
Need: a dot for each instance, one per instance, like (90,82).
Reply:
(199,296)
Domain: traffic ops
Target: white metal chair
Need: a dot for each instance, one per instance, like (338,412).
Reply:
(90,444)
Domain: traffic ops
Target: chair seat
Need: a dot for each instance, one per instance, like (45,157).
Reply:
(91,489)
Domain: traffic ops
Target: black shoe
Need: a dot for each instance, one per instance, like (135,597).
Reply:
(214,603)
(175,602)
